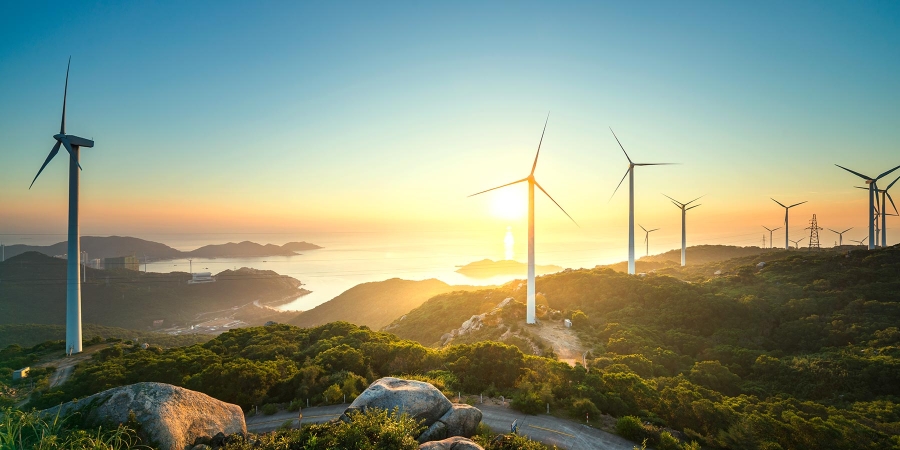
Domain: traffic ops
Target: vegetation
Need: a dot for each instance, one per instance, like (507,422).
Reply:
(30,431)
(375,304)
(487,268)
(801,352)
(31,334)
(33,291)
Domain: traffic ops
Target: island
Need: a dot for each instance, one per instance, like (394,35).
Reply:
(487,268)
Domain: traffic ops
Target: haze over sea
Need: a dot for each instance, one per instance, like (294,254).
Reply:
(349,258)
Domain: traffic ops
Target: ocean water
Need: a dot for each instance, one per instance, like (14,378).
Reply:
(348,259)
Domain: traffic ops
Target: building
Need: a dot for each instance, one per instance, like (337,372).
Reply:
(96,263)
(122,262)
(202,277)
(21,373)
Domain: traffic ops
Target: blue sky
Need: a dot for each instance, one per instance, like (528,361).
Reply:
(247,116)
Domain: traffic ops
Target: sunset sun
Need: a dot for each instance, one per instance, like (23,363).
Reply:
(509,204)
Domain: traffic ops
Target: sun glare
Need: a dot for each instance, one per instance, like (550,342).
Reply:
(509,204)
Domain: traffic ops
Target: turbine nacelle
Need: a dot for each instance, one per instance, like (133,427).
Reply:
(74,140)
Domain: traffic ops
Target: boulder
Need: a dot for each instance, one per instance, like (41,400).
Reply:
(418,399)
(454,443)
(422,402)
(170,417)
(459,420)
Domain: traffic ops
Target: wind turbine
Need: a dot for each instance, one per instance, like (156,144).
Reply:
(72,145)
(532,182)
(881,207)
(647,237)
(872,187)
(771,242)
(683,212)
(797,242)
(630,174)
(861,241)
(840,235)
(786,208)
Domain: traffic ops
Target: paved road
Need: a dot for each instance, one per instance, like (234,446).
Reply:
(562,433)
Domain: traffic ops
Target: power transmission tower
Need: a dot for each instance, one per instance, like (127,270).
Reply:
(814,233)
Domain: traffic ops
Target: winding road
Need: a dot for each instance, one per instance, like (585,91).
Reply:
(565,434)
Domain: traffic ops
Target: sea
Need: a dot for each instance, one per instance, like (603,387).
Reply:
(351,258)
(347,259)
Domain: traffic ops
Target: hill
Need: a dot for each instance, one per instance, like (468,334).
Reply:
(487,268)
(32,290)
(704,254)
(115,246)
(30,334)
(375,304)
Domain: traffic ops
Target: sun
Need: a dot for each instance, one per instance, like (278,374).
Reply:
(509,204)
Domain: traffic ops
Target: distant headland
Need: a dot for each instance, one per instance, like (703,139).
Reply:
(487,268)
(114,246)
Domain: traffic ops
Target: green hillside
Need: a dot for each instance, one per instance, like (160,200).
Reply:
(375,304)
(30,334)
(32,290)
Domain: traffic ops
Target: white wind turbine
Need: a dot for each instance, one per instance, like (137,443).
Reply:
(786,208)
(861,241)
(683,224)
(630,174)
(647,238)
(872,187)
(72,145)
(797,242)
(840,235)
(770,234)
(532,182)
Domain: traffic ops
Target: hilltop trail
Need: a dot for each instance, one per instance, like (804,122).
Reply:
(565,343)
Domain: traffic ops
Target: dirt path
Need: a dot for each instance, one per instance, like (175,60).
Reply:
(565,343)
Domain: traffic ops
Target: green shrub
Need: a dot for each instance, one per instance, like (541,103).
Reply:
(269,409)
(631,428)
(528,402)
(584,406)
(668,442)
(295,405)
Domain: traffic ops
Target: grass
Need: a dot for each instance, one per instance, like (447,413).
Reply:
(20,430)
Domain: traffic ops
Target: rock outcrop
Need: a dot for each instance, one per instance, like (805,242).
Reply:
(422,402)
(454,443)
(170,417)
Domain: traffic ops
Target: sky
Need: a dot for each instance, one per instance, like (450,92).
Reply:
(292,117)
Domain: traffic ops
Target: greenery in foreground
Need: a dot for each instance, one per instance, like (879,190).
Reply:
(800,354)
(29,431)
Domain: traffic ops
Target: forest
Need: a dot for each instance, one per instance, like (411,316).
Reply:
(799,352)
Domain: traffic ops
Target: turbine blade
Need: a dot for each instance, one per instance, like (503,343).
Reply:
(767,228)
(534,166)
(694,200)
(68,147)
(653,230)
(892,183)
(657,164)
(877,203)
(829,229)
(642,227)
(62,124)
(776,201)
(795,204)
(620,145)
(53,153)
(776,229)
(677,203)
(692,207)
(557,204)
(855,173)
(889,171)
(892,202)
(848,229)
(498,187)
(620,184)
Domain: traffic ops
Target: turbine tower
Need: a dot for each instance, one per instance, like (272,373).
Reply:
(532,182)
(872,187)
(880,210)
(630,174)
(647,238)
(683,212)
(786,208)
(72,145)
(840,235)
(771,242)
